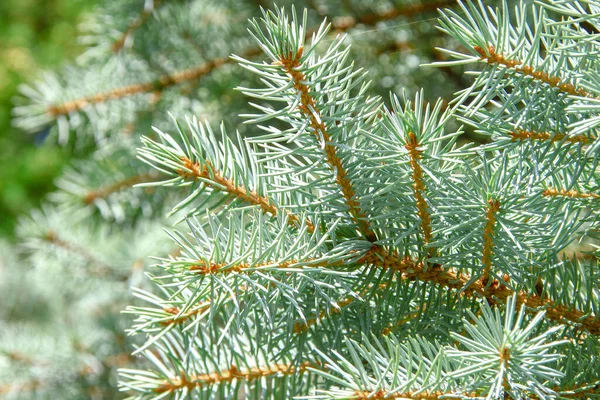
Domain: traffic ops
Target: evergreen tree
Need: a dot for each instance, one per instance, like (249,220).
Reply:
(322,242)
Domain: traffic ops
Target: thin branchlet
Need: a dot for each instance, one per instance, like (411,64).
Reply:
(168,80)
(154,86)
(311,110)
(95,266)
(413,395)
(409,10)
(494,291)
(522,134)
(488,237)
(492,57)
(135,25)
(412,146)
(193,170)
(229,375)
(553,192)
(123,184)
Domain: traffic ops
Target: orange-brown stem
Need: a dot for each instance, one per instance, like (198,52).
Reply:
(196,171)
(522,134)
(495,292)
(154,86)
(492,57)
(384,394)
(553,192)
(412,146)
(221,268)
(345,23)
(118,186)
(228,375)
(180,319)
(488,238)
(99,267)
(166,81)
(133,26)
(308,107)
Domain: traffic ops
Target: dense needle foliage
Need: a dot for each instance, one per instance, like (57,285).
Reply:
(326,239)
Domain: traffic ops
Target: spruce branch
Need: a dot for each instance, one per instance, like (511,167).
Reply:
(194,73)
(407,11)
(123,184)
(233,373)
(157,85)
(491,57)
(521,134)
(134,25)
(574,194)
(95,266)
(494,291)
(488,238)
(220,173)
(336,253)
(419,186)
(290,63)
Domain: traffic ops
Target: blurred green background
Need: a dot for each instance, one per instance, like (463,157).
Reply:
(34,35)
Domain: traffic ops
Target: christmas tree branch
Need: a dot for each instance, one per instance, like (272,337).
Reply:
(179,318)
(100,268)
(495,292)
(488,238)
(106,191)
(135,25)
(345,23)
(522,134)
(311,110)
(492,57)
(413,395)
(229,375)
(159,84)
(553,192)
(213,178)
(207,67)
(412,146)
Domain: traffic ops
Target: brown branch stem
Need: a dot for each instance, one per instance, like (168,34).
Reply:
(228,375)
(193,170)
(310,109)
(553,192)
(412,146)
(488,238)
(133,26)
(106,191)
(522,134)
(168,80)
(495,292)
(492,57)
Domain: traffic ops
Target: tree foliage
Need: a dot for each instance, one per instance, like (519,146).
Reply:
(337,245)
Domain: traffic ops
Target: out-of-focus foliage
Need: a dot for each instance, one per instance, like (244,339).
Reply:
(34,34)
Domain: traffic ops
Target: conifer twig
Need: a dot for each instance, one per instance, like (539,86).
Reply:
(311,110)
(553,192)
(494,292)
(488,238)
(100,267)
(106,191)
(134,25)
(207,67)
(345,23)
(412,146)
(522,134)
(413,395)
(193,170)
(492,57)
(228,375)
